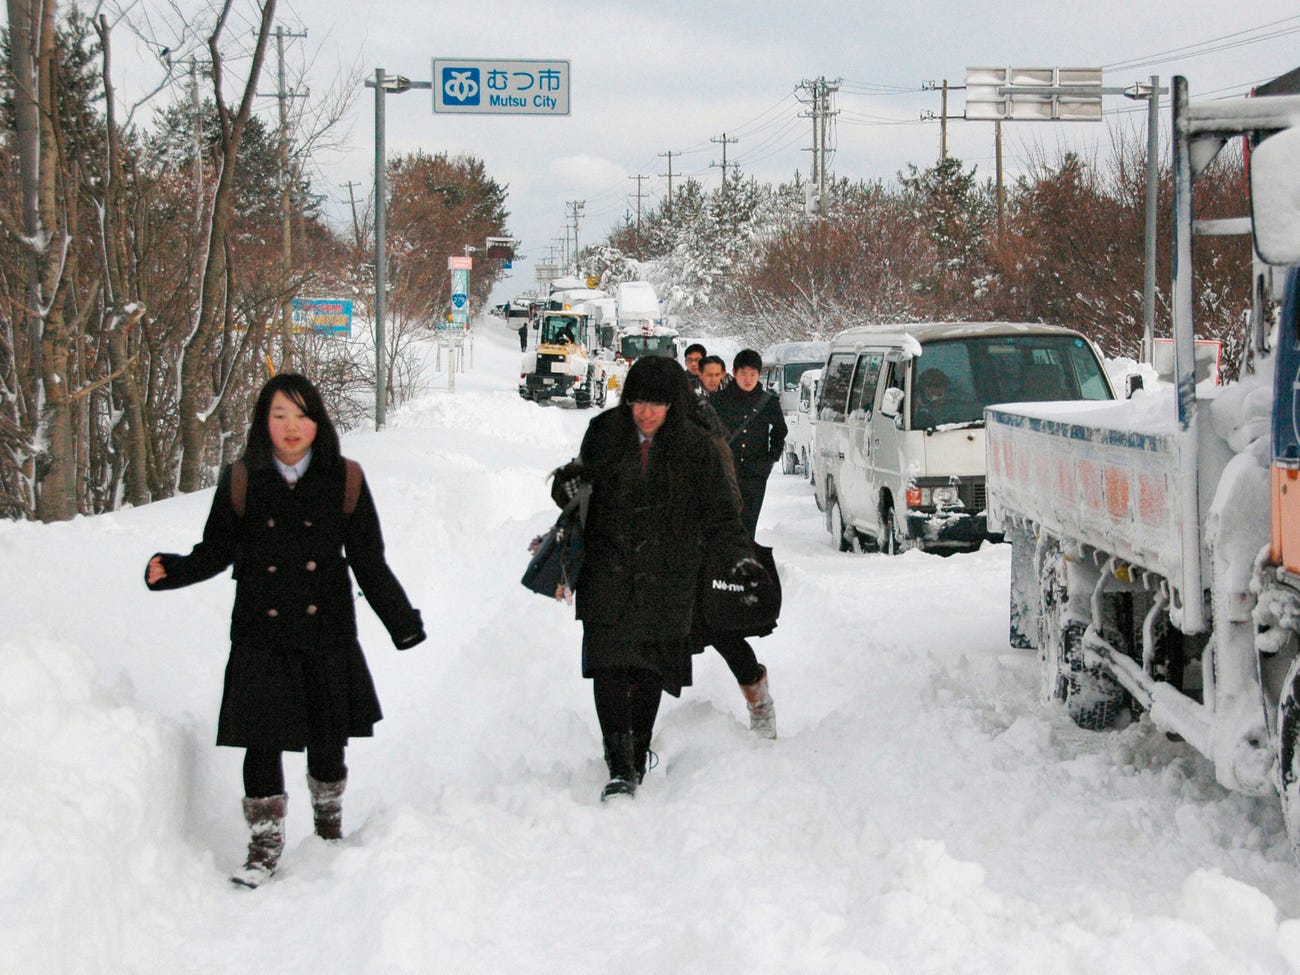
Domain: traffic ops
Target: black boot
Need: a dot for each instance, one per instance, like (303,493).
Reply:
(643,759)
(622,768)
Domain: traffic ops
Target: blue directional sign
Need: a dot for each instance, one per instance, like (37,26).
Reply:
(478,86)
(458,300)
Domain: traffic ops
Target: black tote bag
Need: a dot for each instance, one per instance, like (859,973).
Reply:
(557,555)
(732,608)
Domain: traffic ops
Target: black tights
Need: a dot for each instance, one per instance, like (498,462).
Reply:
(264,772)
(627,699)
(739,656)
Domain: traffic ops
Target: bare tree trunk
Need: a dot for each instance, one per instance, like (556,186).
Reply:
(120,317)
(198,400)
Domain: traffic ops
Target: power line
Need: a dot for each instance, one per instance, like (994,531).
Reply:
(1213,45)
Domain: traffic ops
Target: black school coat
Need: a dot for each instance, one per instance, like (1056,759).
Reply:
(296,674)
(645,539)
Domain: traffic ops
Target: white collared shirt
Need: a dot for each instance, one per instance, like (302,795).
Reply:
(292,473)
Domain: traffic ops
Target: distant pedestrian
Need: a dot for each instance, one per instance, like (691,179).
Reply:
(659,494)
(292,517)
(713,374)
(756,428)
(692,356)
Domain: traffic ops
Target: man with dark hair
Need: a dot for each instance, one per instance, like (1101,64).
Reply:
(693,356)
(713,374)
(756,428)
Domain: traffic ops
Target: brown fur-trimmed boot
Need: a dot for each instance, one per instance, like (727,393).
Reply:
(265,818)
(762,712)
(327,806)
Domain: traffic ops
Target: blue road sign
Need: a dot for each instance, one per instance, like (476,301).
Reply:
(479,86)
(458,300)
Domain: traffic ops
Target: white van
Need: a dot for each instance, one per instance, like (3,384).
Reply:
(783,364)
(899,428)
(799,424)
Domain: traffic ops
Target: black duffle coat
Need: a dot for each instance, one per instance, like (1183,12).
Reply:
(296,674)
(645,539)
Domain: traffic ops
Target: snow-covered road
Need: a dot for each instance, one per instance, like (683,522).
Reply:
(922,811)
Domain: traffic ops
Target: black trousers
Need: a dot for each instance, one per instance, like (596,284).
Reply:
(627,699)
(752,492)
(739,655)
(264,770)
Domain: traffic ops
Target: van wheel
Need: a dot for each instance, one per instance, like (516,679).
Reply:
(840,537)
(889,543)
(1094,699)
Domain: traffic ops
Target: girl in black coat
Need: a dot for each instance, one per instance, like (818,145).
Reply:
(293,520)
(659,495)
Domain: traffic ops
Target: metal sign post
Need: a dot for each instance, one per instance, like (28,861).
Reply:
(467,86)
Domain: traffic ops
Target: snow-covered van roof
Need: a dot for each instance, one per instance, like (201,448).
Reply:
(922,332)
(795,352)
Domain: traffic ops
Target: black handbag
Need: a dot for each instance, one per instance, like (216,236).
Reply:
(731,607)
(557,555)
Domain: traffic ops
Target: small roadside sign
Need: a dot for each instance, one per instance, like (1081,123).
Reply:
(484,86)
(325,316)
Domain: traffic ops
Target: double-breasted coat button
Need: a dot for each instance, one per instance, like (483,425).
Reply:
(306,524)
(311,610)
(272,613)
(311,566)
(270,568)
(270,522)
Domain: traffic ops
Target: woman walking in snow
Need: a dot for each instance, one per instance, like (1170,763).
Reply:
(659,494)
(292,516)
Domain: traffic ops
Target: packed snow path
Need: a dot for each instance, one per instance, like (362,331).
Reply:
(922,811)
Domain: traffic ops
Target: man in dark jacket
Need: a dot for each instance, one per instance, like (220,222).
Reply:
(756,429)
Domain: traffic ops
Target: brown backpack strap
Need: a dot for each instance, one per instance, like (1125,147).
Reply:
(238,486)
(351,485)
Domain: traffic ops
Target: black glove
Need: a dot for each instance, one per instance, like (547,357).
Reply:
(565,483)
(410,639)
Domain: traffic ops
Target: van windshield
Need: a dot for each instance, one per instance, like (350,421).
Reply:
(634,346)
(793,370)
(953,380)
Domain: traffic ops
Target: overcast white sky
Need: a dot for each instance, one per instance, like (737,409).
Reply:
(648,78)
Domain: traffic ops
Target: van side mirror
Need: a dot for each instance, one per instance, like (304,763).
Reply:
(891,404)
(1132,383)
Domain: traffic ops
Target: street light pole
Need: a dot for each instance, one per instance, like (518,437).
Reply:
(381,251)
(1153,195)
(383,85)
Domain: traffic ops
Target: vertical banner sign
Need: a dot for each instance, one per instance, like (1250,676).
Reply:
(458,319)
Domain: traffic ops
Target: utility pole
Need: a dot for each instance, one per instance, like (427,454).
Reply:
(356,226)
(638,179)
(821,114)
(669,174)
(282,95)
(575,212)
(724,140)
(943,116)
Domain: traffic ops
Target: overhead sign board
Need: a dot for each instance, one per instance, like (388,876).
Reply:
(1033,94)
(480,86)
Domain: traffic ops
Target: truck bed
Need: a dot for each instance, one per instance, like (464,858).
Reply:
(1101,474)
